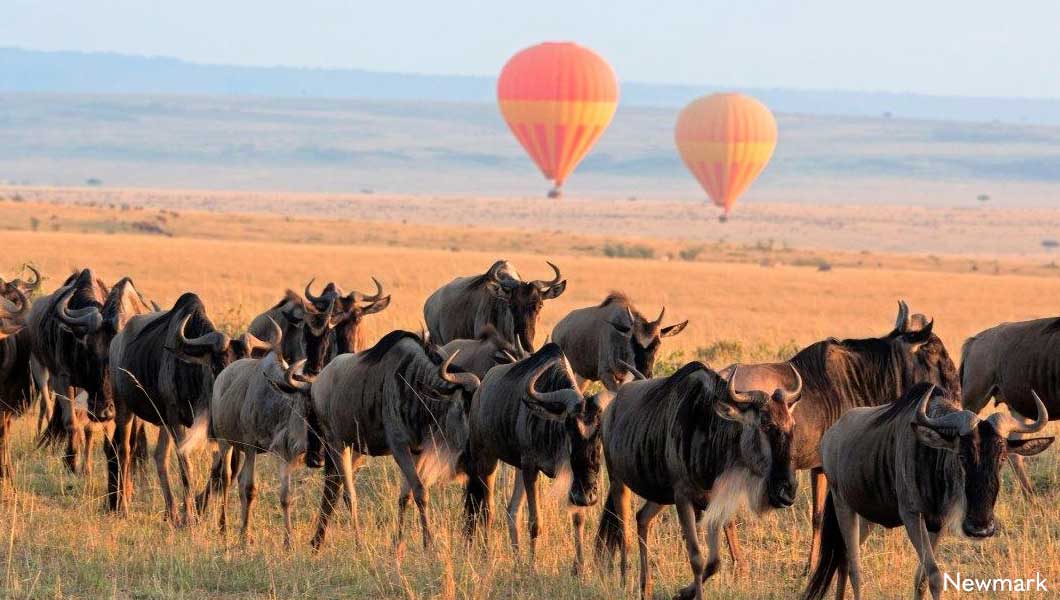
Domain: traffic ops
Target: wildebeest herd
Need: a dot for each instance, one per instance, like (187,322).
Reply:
(888,427)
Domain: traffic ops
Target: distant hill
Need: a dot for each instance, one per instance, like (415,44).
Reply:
(104,73)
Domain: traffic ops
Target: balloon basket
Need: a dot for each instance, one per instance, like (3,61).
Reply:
(723,218)
(555,193)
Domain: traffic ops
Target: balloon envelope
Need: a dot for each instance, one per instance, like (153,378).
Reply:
(557,99)
(725,140)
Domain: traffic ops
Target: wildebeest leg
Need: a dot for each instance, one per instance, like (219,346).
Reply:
(850,527)
(44,393)
(285,502)
(184,470)
(223,464)
(529,478)
(515,509)
(734,546)
(332,487)
(247,491)
(75,434)
(612,532)
(701,568)
(1020,470)
(407,464)
(645,516)
(819,487)
(577,520)
(162,447)
(86,449)
(404,497)
(202,501)
(917,531)
(119,485)
(351,461)
(921,576)
(5,459)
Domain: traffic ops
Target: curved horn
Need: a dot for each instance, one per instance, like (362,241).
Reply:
(902,321)
(568,397)
(296,378)
(216,341)
(922,405)
(468,381)
(544,285)
(361,297)
(35,284)
(961,420)
(315,300)
(87,319)
(10,328)
(790,397)
(658,321)
(253,342)
(1014,425)
(21,303)
(155,306)
(734,396)
(636,374)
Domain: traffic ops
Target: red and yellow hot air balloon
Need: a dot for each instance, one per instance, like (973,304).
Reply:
(557,99)
(726,140)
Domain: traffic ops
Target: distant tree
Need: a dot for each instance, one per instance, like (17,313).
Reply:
(1050,244)
(94,181)
(983,197)
(34,223)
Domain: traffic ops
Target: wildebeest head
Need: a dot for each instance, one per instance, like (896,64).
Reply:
(14,307)
(924,355)
(27,286)
(581,421)
(215,349)
(96,326)
(524,298)
(981,447)
(349,309)
(766,441)
(644,336)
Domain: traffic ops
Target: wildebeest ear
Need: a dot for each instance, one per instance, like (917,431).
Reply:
(918,338)
(933,439)
(735,413)
(673,329)
(555,291)
(1029,446)
(376,306)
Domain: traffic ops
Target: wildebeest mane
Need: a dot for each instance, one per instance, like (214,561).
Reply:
(869,364)
(548,353)
(288,296)
(376,353)
(112,305)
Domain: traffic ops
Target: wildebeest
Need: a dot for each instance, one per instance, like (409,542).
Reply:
(59,346)
(349,309)
(463,307)
(1005,363)
(162,368)
(922,463)
(840,375)
(398,397)
(692,440)
(480,355)
(530,415)
(598,339)
(16,385)
(257,406)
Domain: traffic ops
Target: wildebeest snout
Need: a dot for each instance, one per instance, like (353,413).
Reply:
(782,492)
(579,496)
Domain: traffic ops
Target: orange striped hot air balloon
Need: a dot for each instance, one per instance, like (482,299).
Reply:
(557,99)
(726,140)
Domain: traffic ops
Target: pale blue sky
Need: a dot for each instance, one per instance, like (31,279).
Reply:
(930,46)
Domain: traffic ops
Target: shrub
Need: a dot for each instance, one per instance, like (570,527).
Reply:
(628,251)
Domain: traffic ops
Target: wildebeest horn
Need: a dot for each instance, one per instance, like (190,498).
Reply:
(468,381)
(543,285)
(253,342)
(315,300)
(790,397)
(734,396)
(10,328)
(32,285)
(21,305)
(568,398)
(360,297)
(155,306)
(658,321)
(87,319)
(1006,424)
(636,374)
(961,420)
(296,378)
(902,321)
(216,341)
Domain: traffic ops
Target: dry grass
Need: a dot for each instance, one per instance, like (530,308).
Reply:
(58,543)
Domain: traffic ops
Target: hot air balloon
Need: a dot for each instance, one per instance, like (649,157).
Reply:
(557,99)
(725,140)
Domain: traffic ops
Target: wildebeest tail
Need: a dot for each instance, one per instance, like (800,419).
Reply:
(833,554)
(139,445)
(476,504)
(609,535)
(55,432)
(198,433)
(965,349)
(314,450)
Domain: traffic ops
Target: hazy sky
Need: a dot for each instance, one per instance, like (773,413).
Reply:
(969,47)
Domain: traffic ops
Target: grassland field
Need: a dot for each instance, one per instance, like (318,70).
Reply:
(746,299)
